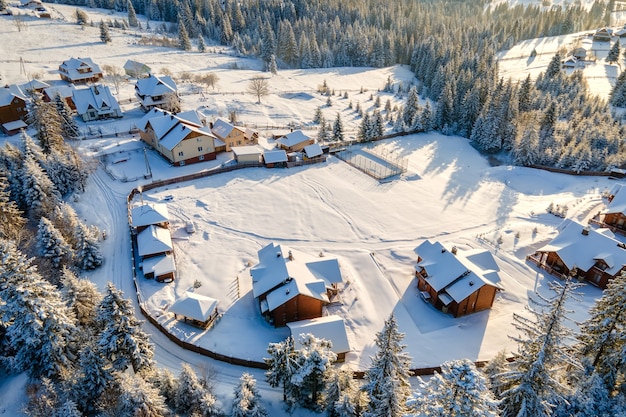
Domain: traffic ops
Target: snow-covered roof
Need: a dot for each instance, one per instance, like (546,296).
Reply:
(7,95)
(97,97)
(136,67)
(583,250)
(17,124)
(154,240)
(222,128)
(313,150)
(159,265)
(618,203)
(148,214)
(246,150)
(33,85)
(72,66)
(177,134)
(274,156)
(457,276)
(153,86)
(64,91)
(331,328)
(194,306)
(163,121)
(293,138)
(282,278)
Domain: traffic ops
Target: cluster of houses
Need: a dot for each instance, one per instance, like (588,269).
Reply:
(150,225)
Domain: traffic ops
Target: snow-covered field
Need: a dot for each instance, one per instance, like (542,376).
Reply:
(450,193)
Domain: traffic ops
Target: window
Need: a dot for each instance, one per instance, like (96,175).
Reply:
(180,153)
(199,148)
(182,163)
(201,158)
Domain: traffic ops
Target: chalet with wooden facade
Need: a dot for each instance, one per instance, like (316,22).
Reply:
(456,282)
(614,216)
(294,141)
(80,70)
(275,158)
(233,135)
(149,214)
(96,103)
(156,91)
(181,139)
(12,105)
(582,252)
(331,328)
(66,92)
(292,286)
(602,35)
(195,309)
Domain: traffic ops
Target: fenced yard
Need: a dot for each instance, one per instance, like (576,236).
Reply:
(374,163)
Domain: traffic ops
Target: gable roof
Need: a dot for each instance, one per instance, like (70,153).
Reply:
(293,138)
(456,277)
(177,134)
(153,86)
(148,214)
(154,240)
(313,150)
(582,251)
(7,95)
(72,65)
(618,203)
(222,128)
(97,97)
(33,85)
(64,91)
(159,265)
(246,150)
(331,328)
(274,156)
(194,306)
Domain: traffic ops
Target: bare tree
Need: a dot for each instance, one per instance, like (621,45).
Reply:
(19,23)
(209,79)
(259,86)
(114,76)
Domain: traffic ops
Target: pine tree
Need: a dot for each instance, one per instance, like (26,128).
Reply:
(51,243)
(459,390)
(105,36)
(340,394)
(183,35)
(281,365)
(132,16)
(69,126)
(268,42)
(272,66)
(38,192)
(201,44)
(411,107)
(614,53)
(524,96)
(554,67)
(318,116)
(388,375)
(602,335)
(525,150)
(314,360)
(618,93)
(542,352)
(82,297)
(322,133)
(378,125)
(338,129)
(363,134)
(48,124)
(38,325)
(496,367)
(87,254)
(247,401)
(191,397)
(122,341)
(11,217)
(95,377)
(138,398)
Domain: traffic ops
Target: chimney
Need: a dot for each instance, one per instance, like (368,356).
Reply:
(290,256)
(585,230)
(278,254)
(453,250)
(443,250)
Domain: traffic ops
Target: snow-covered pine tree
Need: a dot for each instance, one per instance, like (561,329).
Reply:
(132,16)
(247,401)
(318,116)
(122,341)
(281,365)
(525,150)
(11,217)
(82,297)
(51,244)
(618,93)
(602,335)
(94,378)
(524,95)
(47,122)
(338,134)
(39,194)
(536,375)
(87,254)
(192,398)
(138,398)
(378,124)
(268,42)
(340,393)
(322,133)
(363,132)
(314,360)
(590,399)
(11,159)
(387,378)
(38,325)
(105,36)
(67,409)
(554,67)
(411,107)
(66,221)
(201,44)
(183,35)
(614,53)
(43,398)
(496,367)
(69,127)
(460,390)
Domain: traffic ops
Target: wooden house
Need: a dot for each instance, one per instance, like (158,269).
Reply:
(294,141)
(96,103)
(313,151)
(233,135)
(293,286)
(12,105)
(579,251)
(602,35)
(136,69)
(156,91)
(276,158)
(614,216)
(149,214)
(161,268)
(80,70)
(13,128)
(195,309)
(456,282)
(331,328)
(66,92)
(154,241)
(182,138)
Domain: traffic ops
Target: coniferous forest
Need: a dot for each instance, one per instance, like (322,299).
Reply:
(451,47)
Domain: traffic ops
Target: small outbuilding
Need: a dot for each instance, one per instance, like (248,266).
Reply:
(247,154)
(13,128)
(331,328)
(294,141)
(149,214)
(160,268)
(276,158)
(195,309)
(154,241)
(313,151)
(136,69)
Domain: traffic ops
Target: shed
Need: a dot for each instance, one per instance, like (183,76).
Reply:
(331,328)
(312,151)
(13,128)
(154,241)
(275,158)
(247,154)
(149,214)
(161,268)
(195,309)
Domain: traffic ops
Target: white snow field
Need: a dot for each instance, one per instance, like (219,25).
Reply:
(450,193)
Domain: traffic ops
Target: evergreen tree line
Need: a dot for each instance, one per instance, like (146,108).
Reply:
(34,180)
(557,371)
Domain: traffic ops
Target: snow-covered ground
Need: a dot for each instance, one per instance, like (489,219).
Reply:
(449,193)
